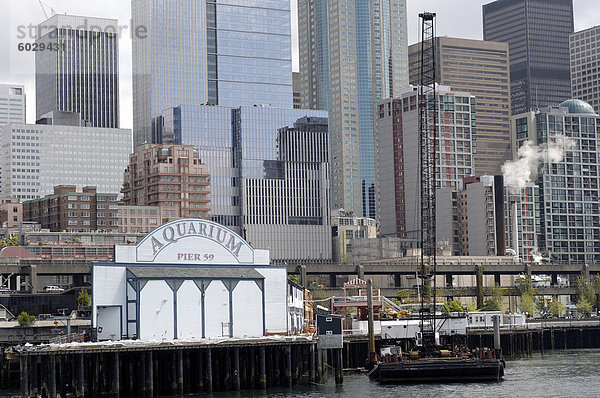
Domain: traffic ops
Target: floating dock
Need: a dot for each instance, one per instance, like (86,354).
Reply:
(133,368)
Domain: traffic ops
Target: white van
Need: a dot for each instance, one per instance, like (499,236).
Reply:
(53,289)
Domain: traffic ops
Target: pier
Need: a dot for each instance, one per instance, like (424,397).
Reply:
(131,368)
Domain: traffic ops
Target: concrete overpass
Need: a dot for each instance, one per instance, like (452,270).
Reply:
(467,267)
(446,266)
(458,292)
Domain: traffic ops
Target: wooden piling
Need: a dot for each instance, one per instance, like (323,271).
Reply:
(52,376)
(115,385)
(33,389)
(199,372)
(311,364)
(179,372)
(288,366)
(339,372)
(24,376)
(262,380)
(276,368)
(79,370)
(149,376)
(236,369)
(209,375)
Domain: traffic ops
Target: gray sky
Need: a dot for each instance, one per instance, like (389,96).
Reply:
(457,18)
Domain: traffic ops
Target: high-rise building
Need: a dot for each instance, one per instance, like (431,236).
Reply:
(470,220)
(486,217)
(171,177)
(397,141)
(207,52)
(12,103)
(269,170)
(482,69)
(585,77)
(35,158)
(79,70)
(537,32)
(352,54)
(569,183)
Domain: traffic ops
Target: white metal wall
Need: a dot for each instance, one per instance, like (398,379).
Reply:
(156,311)
(216,303)
(189,311)
(108,288)
(247,310)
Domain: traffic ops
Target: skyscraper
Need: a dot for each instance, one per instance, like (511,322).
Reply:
(585,79)
(537,32)
(82,75)
(12,103)
(352,53)
(482,69)
(204,52)
(568,184)
(398,177)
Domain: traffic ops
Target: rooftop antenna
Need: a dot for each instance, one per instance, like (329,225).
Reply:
(43,6)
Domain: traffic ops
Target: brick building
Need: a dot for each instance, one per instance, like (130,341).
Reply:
(171,177)
(69,210)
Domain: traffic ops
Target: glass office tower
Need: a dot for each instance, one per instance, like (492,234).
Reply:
(269,172)
(364,43)
(537,32)
(205,52)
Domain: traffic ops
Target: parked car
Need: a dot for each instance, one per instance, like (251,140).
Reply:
(53,289)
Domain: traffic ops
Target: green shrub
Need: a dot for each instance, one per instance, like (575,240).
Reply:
(25,319)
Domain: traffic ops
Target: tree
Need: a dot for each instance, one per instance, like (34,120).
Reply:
(25,319)
(584,307)
(526,305)
(556,308)
(405,296)
(13,241)
(452,306)
(84,299)
(494,302)
(585,291)
(526,293)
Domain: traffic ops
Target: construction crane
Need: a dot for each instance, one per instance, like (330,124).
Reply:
(427,143)
(43,6)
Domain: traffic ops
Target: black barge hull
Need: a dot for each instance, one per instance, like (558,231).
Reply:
(438,371)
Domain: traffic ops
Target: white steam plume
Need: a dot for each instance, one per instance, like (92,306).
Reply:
(517,173)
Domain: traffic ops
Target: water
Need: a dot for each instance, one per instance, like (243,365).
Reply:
(559,374)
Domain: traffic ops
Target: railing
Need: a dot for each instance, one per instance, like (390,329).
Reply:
(68,338)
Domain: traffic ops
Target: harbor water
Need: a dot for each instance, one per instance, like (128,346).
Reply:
(564,373)
(568,373)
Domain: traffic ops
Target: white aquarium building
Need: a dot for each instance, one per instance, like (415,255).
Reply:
(189,279)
